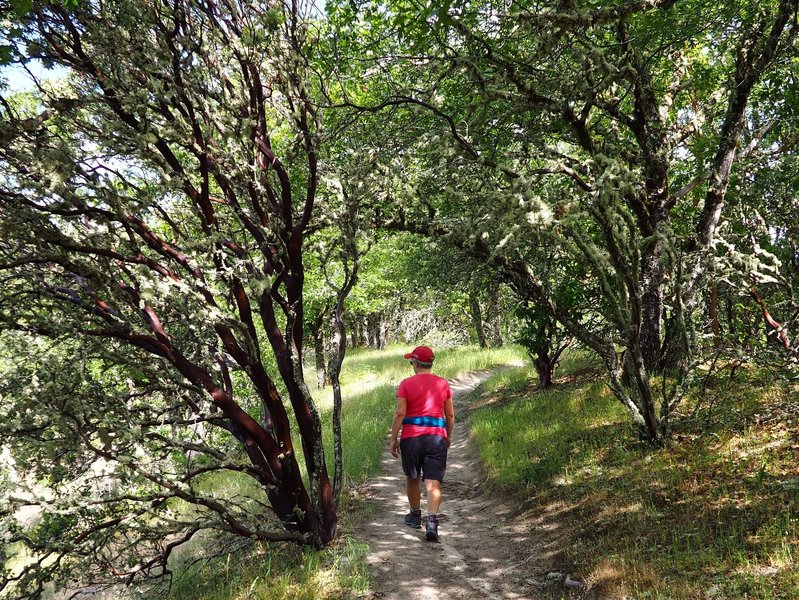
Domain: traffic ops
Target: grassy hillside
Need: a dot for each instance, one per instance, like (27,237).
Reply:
(715,515)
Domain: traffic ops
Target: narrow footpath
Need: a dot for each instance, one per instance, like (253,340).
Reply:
(486,549)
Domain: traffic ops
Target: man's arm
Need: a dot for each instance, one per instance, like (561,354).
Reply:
(399,414)
(449,413)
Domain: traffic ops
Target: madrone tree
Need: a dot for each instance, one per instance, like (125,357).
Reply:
(153,213)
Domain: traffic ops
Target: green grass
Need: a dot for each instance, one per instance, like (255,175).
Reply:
(715,514)
(263,572)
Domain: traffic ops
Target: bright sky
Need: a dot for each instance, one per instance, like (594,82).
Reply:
(19,80)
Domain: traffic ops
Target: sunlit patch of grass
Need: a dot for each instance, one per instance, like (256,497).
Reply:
(365,369)
(715,514)
(528,436)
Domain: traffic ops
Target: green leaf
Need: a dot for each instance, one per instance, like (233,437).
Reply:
(21,7)
(6,54)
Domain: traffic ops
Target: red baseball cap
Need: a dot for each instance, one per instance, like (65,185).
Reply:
(422,354)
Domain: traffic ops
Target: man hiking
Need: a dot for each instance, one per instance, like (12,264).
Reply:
(426,416)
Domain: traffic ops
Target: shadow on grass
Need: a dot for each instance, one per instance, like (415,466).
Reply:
(269,572)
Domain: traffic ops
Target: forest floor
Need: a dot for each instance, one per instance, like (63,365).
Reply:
(487,547)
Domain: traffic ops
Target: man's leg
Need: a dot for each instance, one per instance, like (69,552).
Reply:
(413,518)
(433,495)
(414,493)
(433,504)
(435,464)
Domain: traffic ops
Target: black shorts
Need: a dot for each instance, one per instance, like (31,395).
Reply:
(425,455)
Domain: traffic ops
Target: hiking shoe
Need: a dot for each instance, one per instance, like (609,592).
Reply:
(414,519)
(432,531)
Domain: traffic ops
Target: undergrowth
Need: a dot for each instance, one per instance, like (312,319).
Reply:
(713,515)
(263,572)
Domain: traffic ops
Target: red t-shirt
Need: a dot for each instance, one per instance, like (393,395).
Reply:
(425,395)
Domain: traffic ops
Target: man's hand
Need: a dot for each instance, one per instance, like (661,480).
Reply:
(394,447)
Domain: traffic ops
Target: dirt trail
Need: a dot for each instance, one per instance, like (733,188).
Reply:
(486,549)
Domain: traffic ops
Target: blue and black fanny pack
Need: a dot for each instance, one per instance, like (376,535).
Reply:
(425,421)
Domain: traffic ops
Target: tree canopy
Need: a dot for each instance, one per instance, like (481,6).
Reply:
(609,132)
